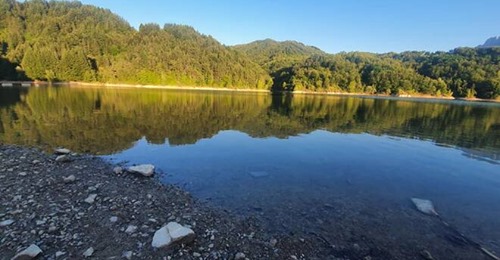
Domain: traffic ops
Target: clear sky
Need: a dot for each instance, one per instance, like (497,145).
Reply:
(332,25)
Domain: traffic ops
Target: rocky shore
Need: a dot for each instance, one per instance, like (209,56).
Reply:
(79,206)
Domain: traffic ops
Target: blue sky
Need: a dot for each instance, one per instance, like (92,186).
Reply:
(332,25)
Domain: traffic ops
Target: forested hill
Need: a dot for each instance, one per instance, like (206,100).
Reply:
(69,41)
(462,72)
(274,55)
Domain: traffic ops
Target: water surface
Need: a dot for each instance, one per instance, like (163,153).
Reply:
(342,167)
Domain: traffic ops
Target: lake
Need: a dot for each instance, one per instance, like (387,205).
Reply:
(344,168)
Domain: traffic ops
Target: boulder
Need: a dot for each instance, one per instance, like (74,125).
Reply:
(29,253)
(146,170)
(172,233)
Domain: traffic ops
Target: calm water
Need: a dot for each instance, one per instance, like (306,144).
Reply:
(343,167)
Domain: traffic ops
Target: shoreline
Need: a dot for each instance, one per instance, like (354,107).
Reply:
(41,207)
(200,88)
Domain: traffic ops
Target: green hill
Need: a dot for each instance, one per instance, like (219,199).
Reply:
(69,41)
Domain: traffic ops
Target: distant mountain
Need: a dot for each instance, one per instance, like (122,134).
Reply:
(273,55)
(491,42)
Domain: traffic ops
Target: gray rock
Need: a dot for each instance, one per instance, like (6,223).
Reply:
(127,254)
(23,174)
(424,206)
(69,179)
(131,229)
(59,254)
(273,242)
(259,174)
(6,222)
(146,170)
(91,198)
(62,158)
(61,151)
(118,170)
(113,219)
(29,253)
(89,252)
(172,233)
(239,255)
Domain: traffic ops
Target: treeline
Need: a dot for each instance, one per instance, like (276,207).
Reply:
(69,41)
(463,72)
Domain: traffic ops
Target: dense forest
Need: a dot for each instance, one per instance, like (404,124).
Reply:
(69,41)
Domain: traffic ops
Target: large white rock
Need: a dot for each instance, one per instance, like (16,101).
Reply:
(172,233)
(161,238)
(29,253)
(143,169)
(424,206)
(179,233)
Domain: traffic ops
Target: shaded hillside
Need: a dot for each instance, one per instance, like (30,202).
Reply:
(70,41)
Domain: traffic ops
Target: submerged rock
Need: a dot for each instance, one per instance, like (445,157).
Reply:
(259,174)
(29,253)
(146,170)
(172,233)
(424,206)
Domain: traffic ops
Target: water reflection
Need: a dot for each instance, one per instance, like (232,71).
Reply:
(104,121)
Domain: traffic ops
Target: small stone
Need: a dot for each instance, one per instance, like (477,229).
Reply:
(69,179)
(29,253)
(62,158)
(23,174)
(6,222)
(127,254)
(89,252)
(118,170)
(59,254)
(35,161)
(113,219)
(273,242)
(196,254)
(62,151)
(130,229)
(91,198)
(146,170)
(239,255)
(293,257)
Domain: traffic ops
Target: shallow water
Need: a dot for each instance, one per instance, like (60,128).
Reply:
(342,167)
